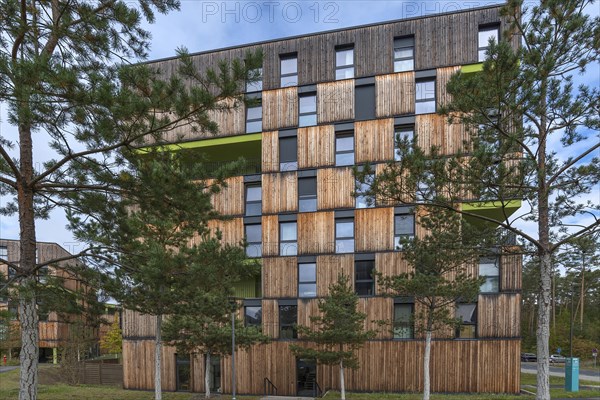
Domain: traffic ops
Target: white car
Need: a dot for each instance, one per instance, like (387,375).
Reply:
(557,358)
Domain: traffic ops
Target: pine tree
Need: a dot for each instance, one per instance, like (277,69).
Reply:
(518,111)
(338,331)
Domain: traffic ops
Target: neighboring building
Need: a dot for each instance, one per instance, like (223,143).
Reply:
(330,101)
(55,328)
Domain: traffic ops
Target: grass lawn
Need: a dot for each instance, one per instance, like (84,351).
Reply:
(9,384)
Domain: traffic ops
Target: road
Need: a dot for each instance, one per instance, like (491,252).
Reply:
(587,374)
(6,369)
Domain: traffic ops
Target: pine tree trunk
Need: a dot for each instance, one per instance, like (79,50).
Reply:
(582,294)
(157,359)
(426,383)
(29,346)
(207,376)
(342,382)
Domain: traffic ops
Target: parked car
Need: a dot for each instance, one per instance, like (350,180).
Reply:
(528,357)
(557,358)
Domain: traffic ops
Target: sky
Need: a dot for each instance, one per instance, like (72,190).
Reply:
(206,25)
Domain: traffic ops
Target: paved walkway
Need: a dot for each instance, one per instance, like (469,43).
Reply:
(7,368)
(584,374)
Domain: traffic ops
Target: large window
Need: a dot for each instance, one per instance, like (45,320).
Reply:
(288,319)
(289,70)
(4,252)
(256,85)
(254,119)
(467,314)
(307,280)
(426,187)
(490,270)
(307,194)
(404,54)
(404,229)
(364,283)
(425,96)
(254,239)
(344,62)
(253,200)
(344,149)
(253,315)
(403,134)
(288,238)
(344,235)
(363,200)
(485,34)
(403,321)
(307,109)
(288,153)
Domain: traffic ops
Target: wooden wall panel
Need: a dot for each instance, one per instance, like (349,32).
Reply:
(230,200)
(270,151)
(137,325)
(511,267)
(377,309)
(374,140)
(499,315)
(280,193)
(316,233)
(374,229)
(307,308)
(442,79)
(395,94)
(434,130)
(389,264)
(48,334)
(232,230)
(334,188)
(280,108)
(316,146)
(328,269)
(197,374)
(335,101)
(270,318)
(138,365)
(280,277)
(270,235)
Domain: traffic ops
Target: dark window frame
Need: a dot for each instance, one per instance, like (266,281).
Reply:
(252,202)
(399,46)
(344,238)
(425,100)
(246,319)
(341,135)
(311,282)
(289,56)
(400,133)
(371,281)
(459,329)
(253,244)
(486,46)
(254,120)
(351,67)
(398,236)
(411,322)
(287,242)
(282,325)
(258,83)
(4,252)
(365,201)
(306,114)
(498,264)
(304,197)
(288,165)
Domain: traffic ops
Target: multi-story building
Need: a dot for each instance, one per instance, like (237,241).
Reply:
(329,101)
(55,326)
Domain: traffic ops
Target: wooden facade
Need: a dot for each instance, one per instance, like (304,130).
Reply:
(443,44)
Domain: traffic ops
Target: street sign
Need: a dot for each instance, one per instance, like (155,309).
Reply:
(558,350)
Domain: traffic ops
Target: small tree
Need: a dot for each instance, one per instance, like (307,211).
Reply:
(339,331)
(440,278)
(112,342)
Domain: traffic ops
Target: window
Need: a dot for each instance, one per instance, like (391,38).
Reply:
(288,238)
(364,99)
(344,235)
(254,119)
(403,134)
(307,280)
(364,280)
(364,200)
(344,63)
(307,194)
(4,252)
(307,112)
(404,229)
(426,187)
(288,317)
(42,274)
(255,86)
(425,96)
(254,239)
(289,70)
(404,54)
(344,149)
(467,314)
(490,270)
(485,34)
(288,153)
(253,200)
(253,316)
(403,321)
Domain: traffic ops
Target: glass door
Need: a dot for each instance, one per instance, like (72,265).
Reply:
(306,373)
(183,372)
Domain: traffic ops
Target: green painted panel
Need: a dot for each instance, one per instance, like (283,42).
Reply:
(254,137)
(467,69)
(247,289)
(491,209)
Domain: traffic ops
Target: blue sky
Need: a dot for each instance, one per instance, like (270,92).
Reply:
(205,25)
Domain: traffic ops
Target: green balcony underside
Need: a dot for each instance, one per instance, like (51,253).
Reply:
(490,211)
(467,69)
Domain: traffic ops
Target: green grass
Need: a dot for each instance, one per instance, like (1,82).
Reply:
(9,386)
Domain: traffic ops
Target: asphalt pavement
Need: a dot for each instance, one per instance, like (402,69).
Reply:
(7,368)
(584,374)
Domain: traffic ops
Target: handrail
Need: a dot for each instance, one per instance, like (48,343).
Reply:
(270,388)
(318,392)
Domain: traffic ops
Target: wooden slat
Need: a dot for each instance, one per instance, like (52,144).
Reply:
(442,79)
(395,94)
(330,267)
(335,101)
(270,152)
(280,277)
(434,130)
(232,230)
(374,228)
(270,317)
(511,266)
(280,108)
(280,193)
(230,200)
(498,315)
(316,233)
(374,140)
(316,146)
(334,188)
(270,235)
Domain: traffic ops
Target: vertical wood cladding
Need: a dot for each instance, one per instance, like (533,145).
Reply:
(270,151)
(230,200)
(280,277)
(307,308)
(330,267)
(374,229)
(316,233)
(442,79)
(334,188)
(389,264)
(377,309)
(335,101)
(281,193)
(138,356)
(498,315)
(316,146)
(270,235)
(280,108)
(232,230)
(395,94)
(511,271)
(270,318)
(374,140)
(137,325)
